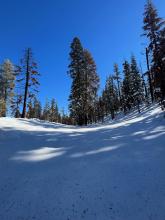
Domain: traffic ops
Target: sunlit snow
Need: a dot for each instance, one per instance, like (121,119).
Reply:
(114,170)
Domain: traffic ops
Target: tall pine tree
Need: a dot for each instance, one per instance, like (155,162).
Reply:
(76,72)
(127,98)
(85,83)
(91,85)
(27,76)
(110,97)
(117,78)
(153,26)
(136,83)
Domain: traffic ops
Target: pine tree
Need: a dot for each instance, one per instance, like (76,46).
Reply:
(16,106)
(54,114)
(76,72)
(85,83)
(37,108)
(136,83)
(30,112)
(7,85)
(17,100)
(162,58)
(127,98)
(91,85)
(110,97)
(27,76)
(46,111)
(144,85)
(100,109)
(117,78)
(34,108)
(153,25)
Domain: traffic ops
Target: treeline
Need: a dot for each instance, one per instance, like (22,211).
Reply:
(19,85)
(118,95)
(124,89)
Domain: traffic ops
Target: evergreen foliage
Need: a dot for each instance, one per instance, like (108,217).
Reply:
(27,76)
(7,85)
(154,31)
(85,83)
(124,90)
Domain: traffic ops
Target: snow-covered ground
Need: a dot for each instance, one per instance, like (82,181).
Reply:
(114,171)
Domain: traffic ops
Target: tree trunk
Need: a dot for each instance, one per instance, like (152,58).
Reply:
(26,85)
(149,76)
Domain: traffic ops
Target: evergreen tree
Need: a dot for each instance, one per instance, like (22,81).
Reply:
(144,85)
(7,85)
(37,108)
(76,72)
(100,109)
(117,78)
(54,114)
(15,106)
(27,76)
(127,98)
(65,119)
(136,83)
(110,97)
(153,25)
(162,59)
(17,100)
(85,83)
(34,108)
(30,112)
(91,85)
(46,111)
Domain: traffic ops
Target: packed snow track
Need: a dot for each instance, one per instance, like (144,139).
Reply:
(111,171)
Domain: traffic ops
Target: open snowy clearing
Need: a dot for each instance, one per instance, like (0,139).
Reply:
(56,172)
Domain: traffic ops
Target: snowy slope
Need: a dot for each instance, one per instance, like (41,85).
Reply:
(56,172)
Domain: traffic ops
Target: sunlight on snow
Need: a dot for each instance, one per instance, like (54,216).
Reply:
(153,136)
(100,150)
(41,154)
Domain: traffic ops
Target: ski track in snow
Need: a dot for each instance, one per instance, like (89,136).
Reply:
(111,171)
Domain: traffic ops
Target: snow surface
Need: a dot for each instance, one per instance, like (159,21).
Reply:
(111,171)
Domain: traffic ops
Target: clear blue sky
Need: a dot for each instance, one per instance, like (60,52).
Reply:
(109,29)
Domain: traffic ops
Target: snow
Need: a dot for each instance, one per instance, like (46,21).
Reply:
(108,171)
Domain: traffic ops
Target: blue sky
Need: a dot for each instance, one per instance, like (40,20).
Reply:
(109,29)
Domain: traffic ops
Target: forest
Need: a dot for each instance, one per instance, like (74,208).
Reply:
(124,89)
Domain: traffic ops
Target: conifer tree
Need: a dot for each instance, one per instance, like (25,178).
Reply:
(76,72)
(162,58)
(100,109)
(127,98)
(17,100)
(91,85)
(117,78)
(110,97)
(153,25)
(144,85)
(37,108)
(85,83)
(27,76)
(46,111)
(30,112)
(34,108)
(136,83)
(15,106)
(7,85)
(54,114)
